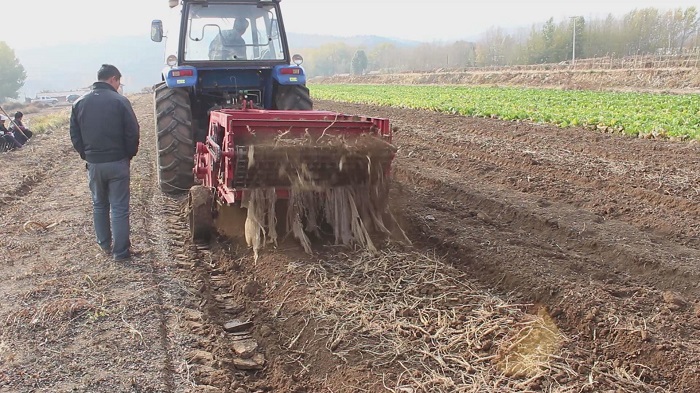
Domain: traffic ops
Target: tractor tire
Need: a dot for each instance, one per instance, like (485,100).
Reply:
(293,97)
(175,144)
(200,212)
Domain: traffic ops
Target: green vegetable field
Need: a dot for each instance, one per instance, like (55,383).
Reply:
(630,113)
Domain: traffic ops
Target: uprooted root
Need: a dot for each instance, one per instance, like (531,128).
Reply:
(425,328)
(355,211)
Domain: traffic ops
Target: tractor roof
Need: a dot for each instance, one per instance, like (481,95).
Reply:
(174,3)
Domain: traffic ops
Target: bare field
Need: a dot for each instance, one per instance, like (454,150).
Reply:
(666,79)
(542,260)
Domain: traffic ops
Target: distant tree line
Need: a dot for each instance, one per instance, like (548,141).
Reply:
(639,32)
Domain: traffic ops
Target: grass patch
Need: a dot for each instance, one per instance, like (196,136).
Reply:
(636,114)
(49,122)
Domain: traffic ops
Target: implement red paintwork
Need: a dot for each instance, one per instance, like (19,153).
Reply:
(231,131)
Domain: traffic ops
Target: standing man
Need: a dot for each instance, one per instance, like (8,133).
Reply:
(105,132)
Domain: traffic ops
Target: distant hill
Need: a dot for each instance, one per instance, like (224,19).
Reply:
(70,67)
(308,41)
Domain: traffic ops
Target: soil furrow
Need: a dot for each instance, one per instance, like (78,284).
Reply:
(547,179)
(31,175)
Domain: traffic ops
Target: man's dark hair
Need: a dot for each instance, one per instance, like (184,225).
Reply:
(107,71)
(19,115)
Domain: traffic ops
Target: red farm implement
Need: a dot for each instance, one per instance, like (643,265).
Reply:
(287,154)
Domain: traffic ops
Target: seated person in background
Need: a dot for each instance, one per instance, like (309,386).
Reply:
(7,136)
(229,44)
(20,132)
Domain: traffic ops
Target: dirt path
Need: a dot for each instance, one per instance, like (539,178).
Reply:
(587,242)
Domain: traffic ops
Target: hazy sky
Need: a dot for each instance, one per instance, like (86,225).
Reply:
(36,23)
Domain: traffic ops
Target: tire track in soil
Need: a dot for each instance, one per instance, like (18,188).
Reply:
(193,315)
(156,208)
(226,284)
(215,284)
(192,328)
(602,276)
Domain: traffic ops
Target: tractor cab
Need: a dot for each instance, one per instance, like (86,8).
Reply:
(225,52)
(254,26)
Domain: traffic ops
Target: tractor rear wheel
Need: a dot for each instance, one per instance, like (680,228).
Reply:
(293,97)
(200,212)
(173,117)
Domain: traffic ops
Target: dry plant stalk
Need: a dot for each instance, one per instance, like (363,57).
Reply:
(261,221)
(50,312)
(354,210)
(425,328)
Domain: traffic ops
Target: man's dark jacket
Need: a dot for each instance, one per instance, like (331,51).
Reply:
(103,126)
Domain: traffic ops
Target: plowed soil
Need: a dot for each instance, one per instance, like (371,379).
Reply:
(541,259)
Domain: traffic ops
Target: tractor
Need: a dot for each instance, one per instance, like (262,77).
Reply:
(236,127)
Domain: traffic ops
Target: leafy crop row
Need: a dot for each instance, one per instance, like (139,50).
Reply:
(631,113)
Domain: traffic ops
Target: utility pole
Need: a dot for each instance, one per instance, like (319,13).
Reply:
(573,51)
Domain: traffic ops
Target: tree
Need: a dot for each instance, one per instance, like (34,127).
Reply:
(643,31)
(689,23)
(12,74)
(462,54)
(546,45)
(329,59)
(359,62)
(386,57)
(492,47)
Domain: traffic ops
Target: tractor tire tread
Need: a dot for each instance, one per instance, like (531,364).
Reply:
(173,120)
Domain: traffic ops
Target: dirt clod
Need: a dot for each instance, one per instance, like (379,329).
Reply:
(256,362)
(245,348)
(237,326)
(674,301)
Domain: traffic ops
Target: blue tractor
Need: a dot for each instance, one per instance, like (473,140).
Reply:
(220,54)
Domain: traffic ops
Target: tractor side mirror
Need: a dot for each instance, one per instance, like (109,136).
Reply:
(157,31)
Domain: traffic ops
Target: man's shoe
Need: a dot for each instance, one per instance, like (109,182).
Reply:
(133,252)
(124,257)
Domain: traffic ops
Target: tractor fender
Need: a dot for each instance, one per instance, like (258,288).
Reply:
(179,76)
(289,75)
